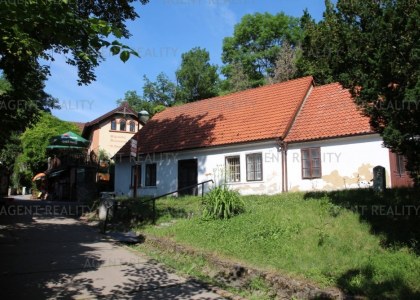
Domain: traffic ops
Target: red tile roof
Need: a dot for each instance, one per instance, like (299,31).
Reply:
(328,112)
(258,114)
(124,108)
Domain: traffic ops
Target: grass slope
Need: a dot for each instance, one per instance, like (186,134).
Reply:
(335,239)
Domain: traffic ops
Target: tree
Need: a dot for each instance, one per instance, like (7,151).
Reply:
(377,56)
(238,80)
(136,102)
(317,47)
(197,78)
(34,142)
(256,42)
(4,85)
(285,68)
(156,95)
(160,92)
(35,30)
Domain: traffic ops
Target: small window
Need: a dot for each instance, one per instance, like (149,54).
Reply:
(133,172)
(400,164)
(233,169)
(132,126)
(311,163)
(150,175)
(113,125)
(254,171)
(122,125)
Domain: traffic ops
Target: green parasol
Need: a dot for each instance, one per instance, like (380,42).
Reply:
(68,140)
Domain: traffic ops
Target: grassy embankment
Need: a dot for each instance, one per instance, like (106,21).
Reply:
(359,241)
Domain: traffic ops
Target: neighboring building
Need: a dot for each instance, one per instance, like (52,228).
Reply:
(112,130)
(290,136)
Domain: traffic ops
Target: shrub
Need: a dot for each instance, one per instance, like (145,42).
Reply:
(222,203)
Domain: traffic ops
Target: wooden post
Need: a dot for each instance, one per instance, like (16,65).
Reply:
(136,170)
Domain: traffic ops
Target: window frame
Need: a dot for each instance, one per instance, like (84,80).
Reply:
(253,155)
(310,159)
(148,180)
(228,176)
(122,121)
(114,124)
(132,126)
(133,167)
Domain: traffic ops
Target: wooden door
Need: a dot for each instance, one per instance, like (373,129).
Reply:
(187,176)
(399,175)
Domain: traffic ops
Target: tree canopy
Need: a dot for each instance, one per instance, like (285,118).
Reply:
(375,52)
(35,30)
(196,77)
(256,42)
(34,142)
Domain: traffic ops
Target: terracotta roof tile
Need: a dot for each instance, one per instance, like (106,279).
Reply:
(256,114)
(328,112)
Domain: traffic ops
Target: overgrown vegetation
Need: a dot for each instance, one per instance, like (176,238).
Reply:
(222,203)
(362,242)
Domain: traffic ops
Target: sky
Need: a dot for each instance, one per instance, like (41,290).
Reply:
(165,30)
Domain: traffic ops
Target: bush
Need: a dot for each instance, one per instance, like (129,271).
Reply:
(222,203)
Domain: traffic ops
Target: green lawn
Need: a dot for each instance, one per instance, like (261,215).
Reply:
(338,239)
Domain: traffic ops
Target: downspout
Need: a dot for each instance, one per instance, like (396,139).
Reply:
(283,144)
(284,180)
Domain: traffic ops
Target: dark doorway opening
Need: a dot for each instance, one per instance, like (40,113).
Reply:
(187,176)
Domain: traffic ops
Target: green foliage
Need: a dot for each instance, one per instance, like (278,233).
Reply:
(33,158)
(197,78)
(4,85)
(34,31)
(157,95)
(256,42)
(373,48)
(318,45)
(161,92)
(238,79)
(222,203)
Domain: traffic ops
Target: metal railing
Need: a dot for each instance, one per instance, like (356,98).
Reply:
(154,201)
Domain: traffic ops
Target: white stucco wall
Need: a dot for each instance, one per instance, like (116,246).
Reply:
(211,165)
(345,163)
(122,179)
(112,140)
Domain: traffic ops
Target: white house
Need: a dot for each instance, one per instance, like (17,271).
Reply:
(290,136)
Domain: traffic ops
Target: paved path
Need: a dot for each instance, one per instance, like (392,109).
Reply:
(45,257)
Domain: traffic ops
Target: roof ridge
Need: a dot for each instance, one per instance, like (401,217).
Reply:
(234,94)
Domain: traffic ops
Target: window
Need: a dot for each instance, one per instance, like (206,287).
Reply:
(400,164)
(254,170)
(122,125)
(233,169)
(132,126)
(113,125)
(133,172)
(150,175)
(311,163)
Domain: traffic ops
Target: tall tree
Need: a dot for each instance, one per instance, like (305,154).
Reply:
(34,30)
(160,92)
(286,65)
(197,78)
(319,43)
(238,79)
(136,102)
(256,42)
(377,56)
